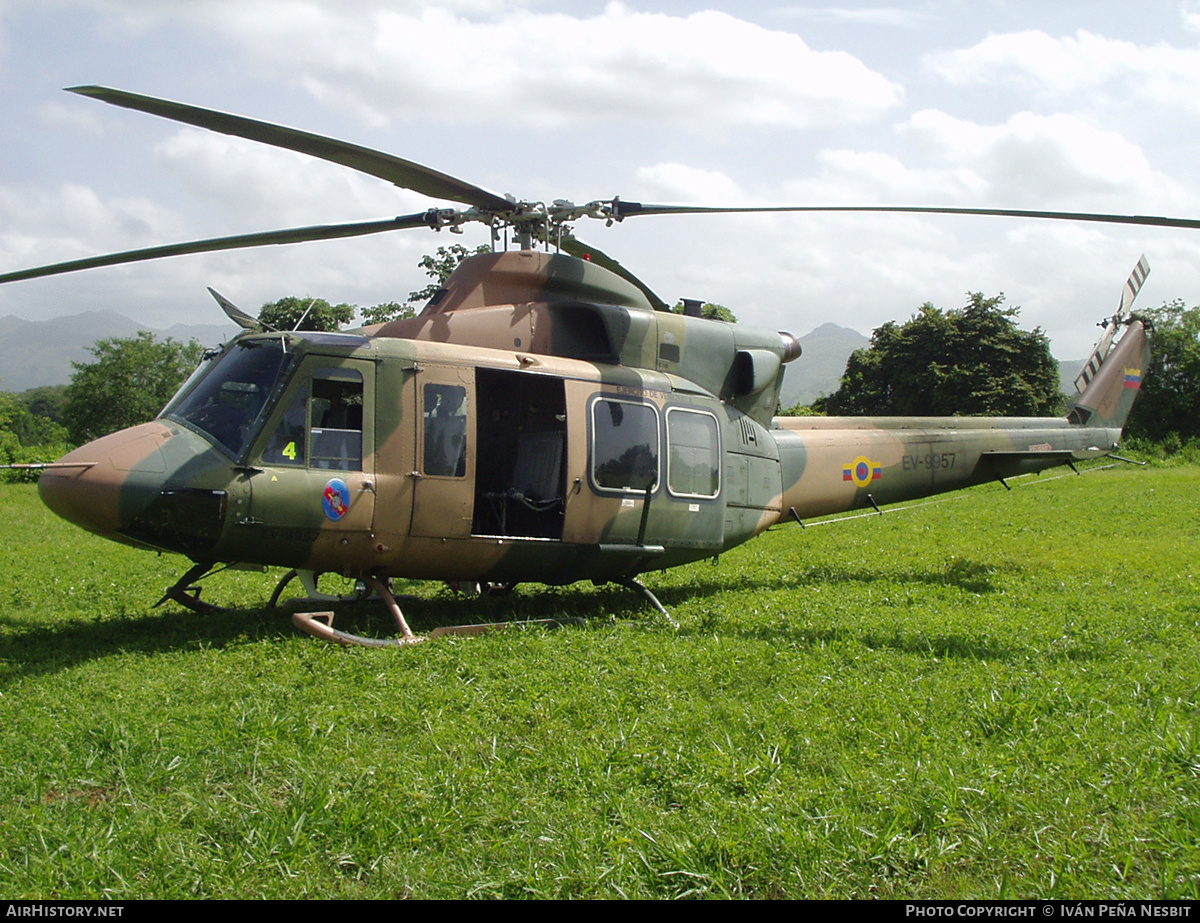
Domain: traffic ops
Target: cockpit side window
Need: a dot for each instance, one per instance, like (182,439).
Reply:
(289,441)
(322,425)
(337,420)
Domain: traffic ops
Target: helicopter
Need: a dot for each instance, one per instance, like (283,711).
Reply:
(544,419)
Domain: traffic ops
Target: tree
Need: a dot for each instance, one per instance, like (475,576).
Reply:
(26,437)
(1168,404)
(10,445)
(441,266)
(389,310)
(438,266)
(33,427)
(292,313)
(129,383)
(970,361)
(46,401)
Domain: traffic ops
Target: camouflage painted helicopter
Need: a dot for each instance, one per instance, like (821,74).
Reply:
(543,419)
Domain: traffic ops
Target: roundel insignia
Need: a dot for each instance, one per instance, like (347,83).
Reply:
(862,471)
(336,499)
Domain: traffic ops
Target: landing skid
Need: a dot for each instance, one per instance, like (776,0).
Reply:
(319,624)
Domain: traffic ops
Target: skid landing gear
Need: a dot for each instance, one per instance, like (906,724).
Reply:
(320,624)
(630,584)
(187,593)
(308,580)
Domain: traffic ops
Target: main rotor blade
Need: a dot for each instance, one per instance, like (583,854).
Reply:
(242,241)
(629,209)
(403,173)
(575,247)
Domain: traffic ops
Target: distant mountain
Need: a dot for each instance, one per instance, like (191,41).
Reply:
(1067,370)
(819,369)
(37,353)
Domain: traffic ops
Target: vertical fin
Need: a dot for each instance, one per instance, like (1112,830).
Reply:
(1133,285)
(1109,395)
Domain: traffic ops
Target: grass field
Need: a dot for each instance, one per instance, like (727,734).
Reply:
(992,696)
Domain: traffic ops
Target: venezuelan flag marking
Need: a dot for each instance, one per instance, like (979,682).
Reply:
(1133,378)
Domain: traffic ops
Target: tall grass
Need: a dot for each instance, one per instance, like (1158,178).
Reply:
(995,695)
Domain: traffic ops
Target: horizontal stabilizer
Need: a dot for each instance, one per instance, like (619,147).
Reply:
(1009,464)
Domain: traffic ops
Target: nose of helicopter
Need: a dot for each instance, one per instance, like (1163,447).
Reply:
(101,485)
(121,486)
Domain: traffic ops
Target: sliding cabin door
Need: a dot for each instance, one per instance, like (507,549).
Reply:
(444,476)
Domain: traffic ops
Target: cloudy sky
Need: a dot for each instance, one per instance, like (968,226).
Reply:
(1081,106)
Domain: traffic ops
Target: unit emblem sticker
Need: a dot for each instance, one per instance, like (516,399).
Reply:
(862,471)
(336,499)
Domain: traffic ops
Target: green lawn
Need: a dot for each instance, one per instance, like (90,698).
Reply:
(994,695)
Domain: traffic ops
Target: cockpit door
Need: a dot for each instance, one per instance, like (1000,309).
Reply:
(312,479)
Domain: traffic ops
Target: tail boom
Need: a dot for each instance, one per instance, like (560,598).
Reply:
(847,463)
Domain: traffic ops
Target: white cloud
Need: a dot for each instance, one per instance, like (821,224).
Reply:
(254,183)
(57,114)
(74,221)
(483,63)
(1041,161)
(714,108)
(1029,161)
(868,16)
(1189,14)
(1163,74)
(676,182)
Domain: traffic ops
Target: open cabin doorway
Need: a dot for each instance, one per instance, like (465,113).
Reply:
(520,478)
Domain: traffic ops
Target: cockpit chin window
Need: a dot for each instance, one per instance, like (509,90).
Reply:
(226,402)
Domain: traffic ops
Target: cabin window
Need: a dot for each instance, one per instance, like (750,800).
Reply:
(693,454)
(446,430)
(323,424)
(624,445)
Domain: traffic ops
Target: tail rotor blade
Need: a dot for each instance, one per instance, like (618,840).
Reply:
(1134,285)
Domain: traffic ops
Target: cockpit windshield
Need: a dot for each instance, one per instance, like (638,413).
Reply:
(226,401)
